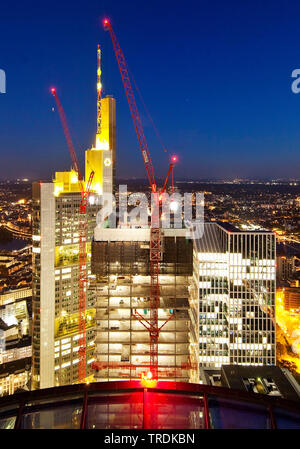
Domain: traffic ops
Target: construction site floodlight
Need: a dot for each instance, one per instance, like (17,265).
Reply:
(147,376)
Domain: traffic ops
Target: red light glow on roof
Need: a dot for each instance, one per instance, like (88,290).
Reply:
(147,379)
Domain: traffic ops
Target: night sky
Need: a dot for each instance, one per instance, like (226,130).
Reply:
(215,76)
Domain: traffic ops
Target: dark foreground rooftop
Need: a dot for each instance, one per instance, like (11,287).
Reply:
(136,405)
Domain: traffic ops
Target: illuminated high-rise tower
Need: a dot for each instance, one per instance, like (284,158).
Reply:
(56,208)
(102,157)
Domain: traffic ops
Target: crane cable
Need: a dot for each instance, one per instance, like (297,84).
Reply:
(147,111)
(150,119)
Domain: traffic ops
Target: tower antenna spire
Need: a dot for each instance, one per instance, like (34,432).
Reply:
(99,88)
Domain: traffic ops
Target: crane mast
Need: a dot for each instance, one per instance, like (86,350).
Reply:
(132,106)
(82,277)
(67,134)
(155,235)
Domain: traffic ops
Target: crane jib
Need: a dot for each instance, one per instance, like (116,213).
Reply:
(155,239)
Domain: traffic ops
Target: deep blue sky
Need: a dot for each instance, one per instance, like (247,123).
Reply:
(215,75)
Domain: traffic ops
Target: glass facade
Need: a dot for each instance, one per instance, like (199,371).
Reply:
(63,417)
(231,414)
(237,288)
(55,287)
(133,405)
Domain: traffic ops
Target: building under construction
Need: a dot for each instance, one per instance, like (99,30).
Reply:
(121,264)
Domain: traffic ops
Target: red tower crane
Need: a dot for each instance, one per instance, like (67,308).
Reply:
(155,237)
(82,277)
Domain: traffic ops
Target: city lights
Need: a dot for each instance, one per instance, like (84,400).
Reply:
(144,284)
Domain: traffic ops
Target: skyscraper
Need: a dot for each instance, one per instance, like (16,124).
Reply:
(56,209)
(102,158)
(55,286)
(237,288)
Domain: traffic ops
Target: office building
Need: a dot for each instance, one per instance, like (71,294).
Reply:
(237,277)
(55,287)
(15,340)
(56,208)
(286,267)
(291,298)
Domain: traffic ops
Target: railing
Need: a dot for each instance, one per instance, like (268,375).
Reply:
(88,405)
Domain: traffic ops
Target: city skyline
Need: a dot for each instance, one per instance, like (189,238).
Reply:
(211,81)
(132,299)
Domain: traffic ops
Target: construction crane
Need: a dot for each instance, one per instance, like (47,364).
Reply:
(155,237)
(82,275)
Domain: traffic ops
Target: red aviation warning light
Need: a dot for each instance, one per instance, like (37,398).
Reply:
(174,158)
